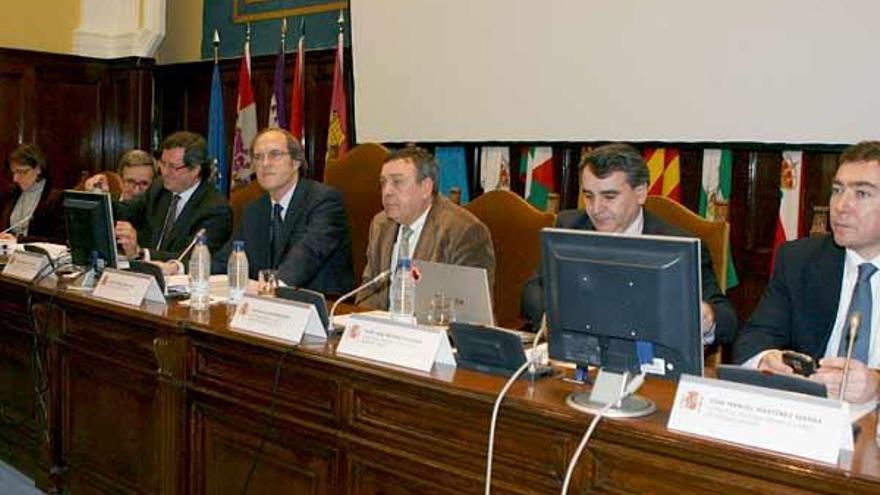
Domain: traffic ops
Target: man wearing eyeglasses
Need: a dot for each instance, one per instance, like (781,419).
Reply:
(137,169)
(159,224)
(298,226)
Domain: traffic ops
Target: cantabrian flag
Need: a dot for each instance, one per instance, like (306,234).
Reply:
(664,168)
(337,134)
(715,195)
(297,92)
(536,167)
(791,188)
(245,124)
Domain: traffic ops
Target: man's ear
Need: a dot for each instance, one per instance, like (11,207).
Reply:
(641,193)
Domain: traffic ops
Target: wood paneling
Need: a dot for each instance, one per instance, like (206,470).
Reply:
(82,112)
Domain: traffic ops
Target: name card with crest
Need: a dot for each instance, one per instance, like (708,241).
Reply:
(128,288)
(392,342)
(787,422)
(278,319)
(25,265)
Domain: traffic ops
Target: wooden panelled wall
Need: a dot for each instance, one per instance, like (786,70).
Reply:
(82,112)
(86,112)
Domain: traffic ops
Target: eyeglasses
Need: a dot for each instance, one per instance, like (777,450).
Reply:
(140,184)
(171,166)
(272,156)
(21,171)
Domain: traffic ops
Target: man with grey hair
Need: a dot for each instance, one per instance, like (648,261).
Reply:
(137,168)
(437,229)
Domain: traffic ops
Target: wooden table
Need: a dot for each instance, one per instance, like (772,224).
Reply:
(164,400)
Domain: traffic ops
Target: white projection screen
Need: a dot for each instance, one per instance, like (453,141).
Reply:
(775,71)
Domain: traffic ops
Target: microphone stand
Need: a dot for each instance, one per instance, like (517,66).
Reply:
(854,321)
(375,280)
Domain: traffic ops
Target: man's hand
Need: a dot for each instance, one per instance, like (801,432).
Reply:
(127,237)
(862,385)
(772,362)
(707,314)
(168,267)
(98,181)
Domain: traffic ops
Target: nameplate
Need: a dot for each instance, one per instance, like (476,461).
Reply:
(786,422)
(25,265)
(127,287)
(396,343)
(278,319)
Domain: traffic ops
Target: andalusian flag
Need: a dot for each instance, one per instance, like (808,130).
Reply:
(791,188)
(536,165)
(664,170)
(337,134)
(715,196)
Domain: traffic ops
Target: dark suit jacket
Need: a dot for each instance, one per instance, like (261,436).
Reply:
(725,316)
(47,224)
(317,244)
(450,235)
(206,208)
(800,303)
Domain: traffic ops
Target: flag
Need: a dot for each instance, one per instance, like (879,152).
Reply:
(453,171)
(245,124)
(715,196)
(297,92)
(664,172)
(337,134)
(277,104)
(536,167)
(788,224)
(217,133)
(494,168)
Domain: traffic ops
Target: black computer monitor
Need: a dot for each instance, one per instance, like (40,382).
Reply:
(617,302)
(88,217)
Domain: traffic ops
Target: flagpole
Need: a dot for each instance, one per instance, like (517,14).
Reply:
(301,46)
(216,46)
(215,169)
(284,35)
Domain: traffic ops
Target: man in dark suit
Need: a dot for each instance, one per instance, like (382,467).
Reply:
(437,229)
(307,239)
(818,284)
(614,179)
(159,224)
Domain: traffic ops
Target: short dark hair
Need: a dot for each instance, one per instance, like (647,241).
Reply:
(425,163)
(195,150)
(866,151)
(136,158)
(617,157)
(293,145)
(30,155)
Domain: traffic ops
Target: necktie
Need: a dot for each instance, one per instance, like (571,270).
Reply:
(403,250)
(860,303)
(275,227)
(170,217)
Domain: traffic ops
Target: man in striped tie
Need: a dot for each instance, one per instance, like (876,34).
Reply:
(824,288)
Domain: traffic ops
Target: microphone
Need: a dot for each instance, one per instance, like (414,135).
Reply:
(192,243)
(854,321)
(17,224)
(375,280)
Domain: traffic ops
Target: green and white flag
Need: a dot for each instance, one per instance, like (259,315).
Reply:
(715,195)
(536,169)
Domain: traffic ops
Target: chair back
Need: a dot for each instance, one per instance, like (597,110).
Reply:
(515,226)
(242,197)
(356,175)
(715,235)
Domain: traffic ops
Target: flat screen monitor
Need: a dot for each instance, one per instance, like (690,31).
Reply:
(88,217)
(618,302)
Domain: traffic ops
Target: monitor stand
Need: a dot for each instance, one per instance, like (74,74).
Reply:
(607,388)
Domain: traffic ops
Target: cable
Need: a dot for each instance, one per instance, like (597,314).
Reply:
(497,407)
(270,426)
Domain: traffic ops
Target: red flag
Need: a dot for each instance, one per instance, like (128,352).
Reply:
(297,94)
(791,186)
(245,124)
(337,134)
(664,170)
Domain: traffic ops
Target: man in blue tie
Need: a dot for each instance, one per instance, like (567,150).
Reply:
(819,284)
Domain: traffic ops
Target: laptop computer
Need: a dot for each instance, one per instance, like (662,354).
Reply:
(467,285)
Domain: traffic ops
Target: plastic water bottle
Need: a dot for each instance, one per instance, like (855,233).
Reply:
(403,291)
(200,274)
(237,270)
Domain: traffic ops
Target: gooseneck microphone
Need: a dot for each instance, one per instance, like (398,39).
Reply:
(192,243)
(375,280)
(16,225)
(854,322)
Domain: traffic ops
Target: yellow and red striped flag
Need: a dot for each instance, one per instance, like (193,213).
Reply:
(664,169)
